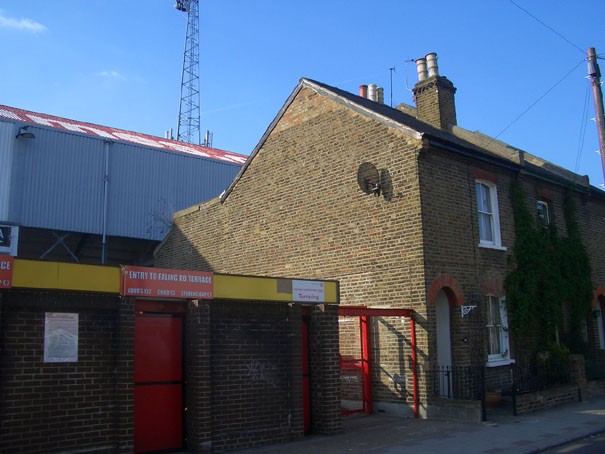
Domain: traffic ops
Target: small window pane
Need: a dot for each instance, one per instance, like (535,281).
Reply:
(542,213)
(486,232)
(494,341)
(484,202)
(494,311)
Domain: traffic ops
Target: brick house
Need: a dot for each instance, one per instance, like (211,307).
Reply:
(401,206)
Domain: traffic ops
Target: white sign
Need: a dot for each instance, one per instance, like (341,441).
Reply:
(9,239)
(311,291)
(60,338)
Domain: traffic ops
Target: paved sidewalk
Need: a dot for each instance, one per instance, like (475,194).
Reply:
(504,433)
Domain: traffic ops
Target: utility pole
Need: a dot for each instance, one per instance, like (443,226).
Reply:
(595,79)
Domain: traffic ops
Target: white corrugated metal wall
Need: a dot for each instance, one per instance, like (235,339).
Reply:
(7,136)
(56,182)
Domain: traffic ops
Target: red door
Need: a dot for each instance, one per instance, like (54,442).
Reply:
(305,377)
(158,387)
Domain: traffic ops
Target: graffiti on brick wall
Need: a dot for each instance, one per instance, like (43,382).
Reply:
(260,371)
(399,382)
(350,378)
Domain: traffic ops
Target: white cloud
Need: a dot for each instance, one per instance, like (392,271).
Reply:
(111,75)
(26,25)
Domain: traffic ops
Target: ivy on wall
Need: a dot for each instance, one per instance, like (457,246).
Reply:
(576,277)
(547,274)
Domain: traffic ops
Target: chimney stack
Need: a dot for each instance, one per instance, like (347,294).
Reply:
(434,94)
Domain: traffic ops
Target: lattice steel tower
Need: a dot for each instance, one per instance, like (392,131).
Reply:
(189,109)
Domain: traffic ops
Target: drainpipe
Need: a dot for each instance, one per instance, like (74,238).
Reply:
(106,145)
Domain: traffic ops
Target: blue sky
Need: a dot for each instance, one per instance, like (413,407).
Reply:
(118,63)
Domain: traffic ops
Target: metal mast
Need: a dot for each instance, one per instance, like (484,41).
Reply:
(188,129)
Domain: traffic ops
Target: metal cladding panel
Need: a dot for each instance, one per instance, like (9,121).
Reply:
(7,136)
(148,185)
(58,182)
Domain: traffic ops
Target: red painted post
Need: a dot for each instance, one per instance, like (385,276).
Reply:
(365,358)
(414,368)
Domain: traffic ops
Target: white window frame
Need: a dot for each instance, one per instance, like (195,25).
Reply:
(503,358)
(496,242)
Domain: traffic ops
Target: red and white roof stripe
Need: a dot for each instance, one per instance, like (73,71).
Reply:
(25,116)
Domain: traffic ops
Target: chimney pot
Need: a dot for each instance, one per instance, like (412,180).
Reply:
(380,95)
(421,68)
(372,92)
(431,60)
(363,91)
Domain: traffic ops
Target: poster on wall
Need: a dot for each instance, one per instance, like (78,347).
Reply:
(311,291)
(60,337)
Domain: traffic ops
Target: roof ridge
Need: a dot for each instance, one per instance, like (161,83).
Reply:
(107,132)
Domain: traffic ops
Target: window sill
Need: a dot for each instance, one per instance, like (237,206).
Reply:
(499,362)
(492,246)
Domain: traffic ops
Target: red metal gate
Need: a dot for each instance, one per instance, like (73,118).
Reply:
(363,364)
(158,388)
(360,367)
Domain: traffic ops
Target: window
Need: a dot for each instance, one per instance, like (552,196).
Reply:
(487,210)
(542,213)
(498,352)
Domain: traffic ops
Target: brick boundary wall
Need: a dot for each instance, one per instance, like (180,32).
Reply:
(243,370)
(125,376)
(197,372)
(550,398)
(81,406)
(325,371)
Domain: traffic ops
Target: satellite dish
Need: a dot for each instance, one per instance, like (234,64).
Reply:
(368,178)
(386,185)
